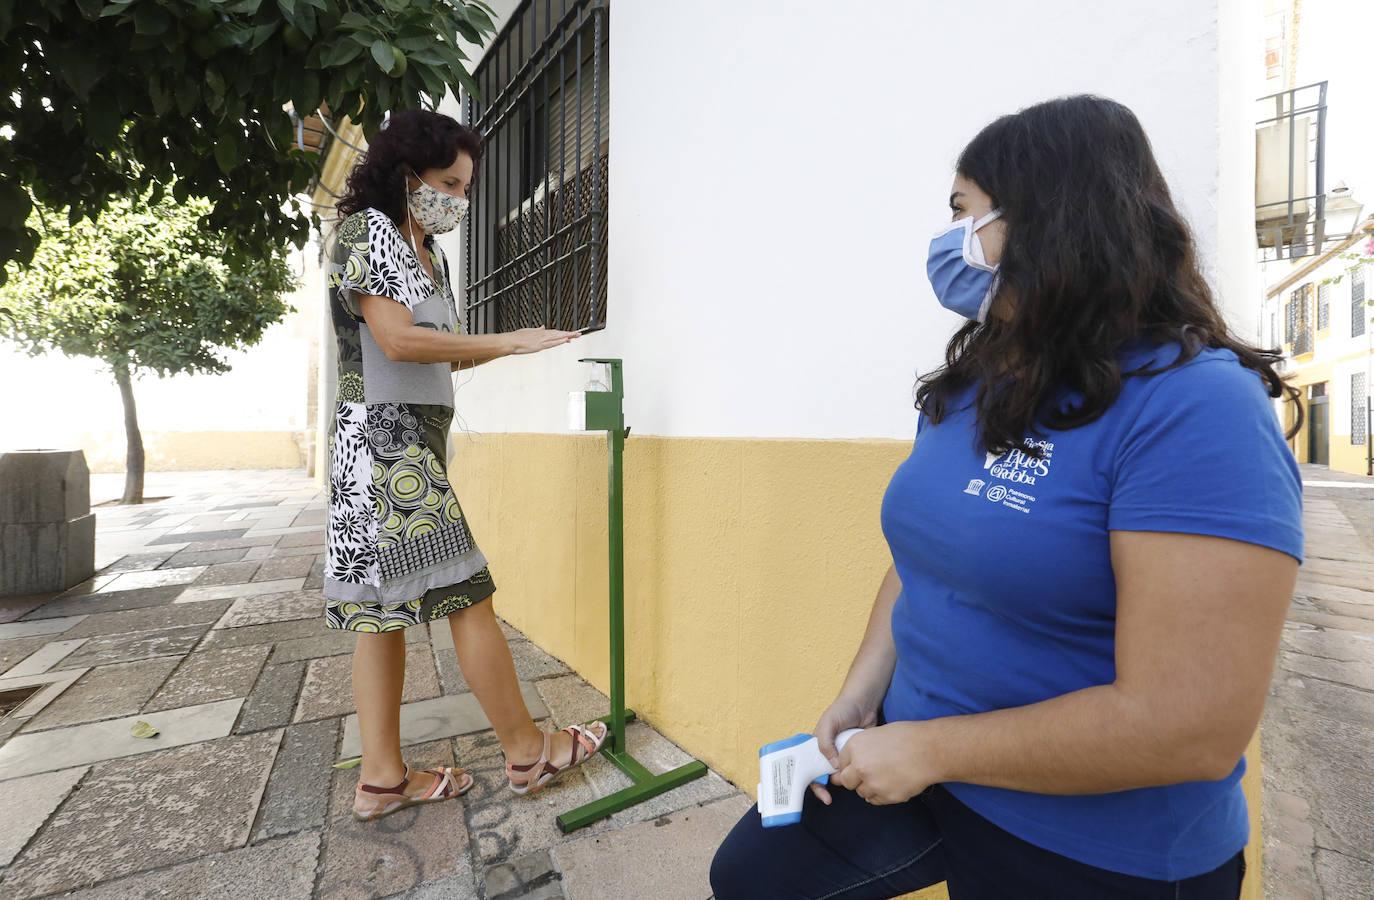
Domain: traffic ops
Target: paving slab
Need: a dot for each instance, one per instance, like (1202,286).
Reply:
(198,593)
(273,698)
(297,550)
(455,887)
(331,642)
(12,608)
(314,580)
(311,538)
(533,664)
(1343,876)
(157,810)
(77,745)
(14,650)
(264,634)
(441,717)
(199,559)
(53,626)
(505,826)
(211,675)
(28,803)
(530,876)
(277,870)
(150,618)
(297,796)
(89,586)
(100,603)
(328,688)
(284,567)
(117,648)
(49,656)
(667,859)
(416,846)
(137,562)
(156,578)
(280,607)
(106,692)
(49,686)
(257,554)
(571,700)
(195,536)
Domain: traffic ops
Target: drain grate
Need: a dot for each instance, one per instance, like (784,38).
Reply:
(14,698)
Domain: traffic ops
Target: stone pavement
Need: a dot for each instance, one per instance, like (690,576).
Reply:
(1318,733)
(204,620)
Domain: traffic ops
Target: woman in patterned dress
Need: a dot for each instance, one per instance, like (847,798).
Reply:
(399,552)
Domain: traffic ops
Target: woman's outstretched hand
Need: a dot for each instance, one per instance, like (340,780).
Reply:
(532,340)
(843,714)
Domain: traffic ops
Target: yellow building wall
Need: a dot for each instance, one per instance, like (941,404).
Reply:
(198,451)
(751,566)
(1344,455)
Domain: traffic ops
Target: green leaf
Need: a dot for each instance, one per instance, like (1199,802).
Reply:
(81,70)
(318,4)
(215,81)
(151,19)
(351,763)
(226,153)
(356,21)
(261,34)
(114,9)
(383,54)
(478,16)
(341,54)
(246,7)
(288,7)
(187,96)
(90,8)
(142,729)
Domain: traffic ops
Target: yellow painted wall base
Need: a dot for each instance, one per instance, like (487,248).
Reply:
(751,567)
(198,451)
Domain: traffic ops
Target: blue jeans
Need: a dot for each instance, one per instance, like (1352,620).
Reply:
(852,850)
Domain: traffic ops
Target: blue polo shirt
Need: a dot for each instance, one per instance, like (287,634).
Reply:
(1008,596)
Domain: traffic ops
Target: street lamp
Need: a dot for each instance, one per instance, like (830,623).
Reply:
(1342,213)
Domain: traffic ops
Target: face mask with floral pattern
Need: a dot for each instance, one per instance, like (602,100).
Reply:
(435,211)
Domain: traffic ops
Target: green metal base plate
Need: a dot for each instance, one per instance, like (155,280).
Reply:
(646,785)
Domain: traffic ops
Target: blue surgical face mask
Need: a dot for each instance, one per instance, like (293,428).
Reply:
(963,280)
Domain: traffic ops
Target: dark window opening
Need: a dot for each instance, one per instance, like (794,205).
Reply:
(536,236)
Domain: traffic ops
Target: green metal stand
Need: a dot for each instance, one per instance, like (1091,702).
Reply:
(606,412)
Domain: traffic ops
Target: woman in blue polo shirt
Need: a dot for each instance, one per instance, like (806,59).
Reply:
(1094,542)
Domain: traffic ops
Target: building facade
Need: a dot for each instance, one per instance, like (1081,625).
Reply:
(1322,314)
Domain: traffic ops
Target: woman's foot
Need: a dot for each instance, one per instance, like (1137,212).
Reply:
(428,786)
(562,750)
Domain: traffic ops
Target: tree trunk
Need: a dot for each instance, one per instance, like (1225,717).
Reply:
(133,465)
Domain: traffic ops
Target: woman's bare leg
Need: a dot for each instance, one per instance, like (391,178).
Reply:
(484,656)
(379,671)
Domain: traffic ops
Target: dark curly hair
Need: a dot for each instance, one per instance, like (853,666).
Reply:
(1096,256)
(411,140)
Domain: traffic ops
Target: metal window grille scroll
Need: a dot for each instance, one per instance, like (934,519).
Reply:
(1359,315)
(1323,307)
(1290,325)
(1302,325)
(1359,409)
(536,235)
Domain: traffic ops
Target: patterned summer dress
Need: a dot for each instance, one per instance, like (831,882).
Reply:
(398,551)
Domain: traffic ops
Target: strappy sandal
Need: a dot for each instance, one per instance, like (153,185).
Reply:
(585,744)
(371,802)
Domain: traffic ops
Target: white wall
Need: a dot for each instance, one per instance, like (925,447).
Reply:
(775,179)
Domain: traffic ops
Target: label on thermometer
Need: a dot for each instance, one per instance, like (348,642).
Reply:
(783,771)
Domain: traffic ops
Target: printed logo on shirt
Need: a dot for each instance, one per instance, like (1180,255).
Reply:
(1015,470)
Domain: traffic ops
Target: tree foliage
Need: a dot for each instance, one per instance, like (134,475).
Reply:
(103,98)
(142,287)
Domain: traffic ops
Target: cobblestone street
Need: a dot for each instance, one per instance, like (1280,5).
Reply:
(1318,737)
(204,620)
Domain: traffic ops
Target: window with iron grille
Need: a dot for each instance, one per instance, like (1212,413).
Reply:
(1359,314)
(1302,319)
(536,232)
(1290,325)
(1359,409)
(1323,307)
